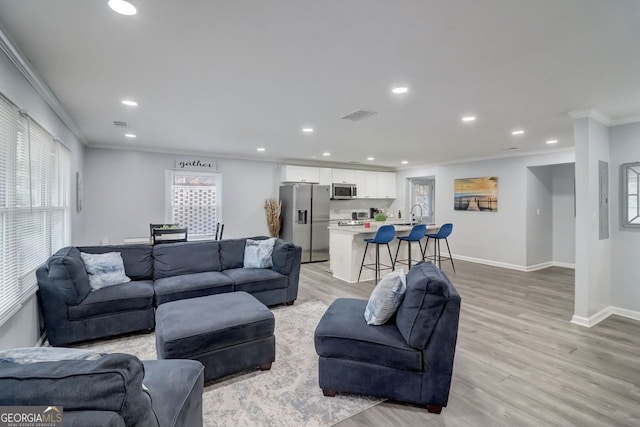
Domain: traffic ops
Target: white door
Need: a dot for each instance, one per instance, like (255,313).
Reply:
(422,199)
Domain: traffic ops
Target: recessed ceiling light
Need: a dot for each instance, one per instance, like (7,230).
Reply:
(552,141)
(129,103)
(371,158)
(398,90)
(122,7)
(307,130)
(326,154)
(261,149)
(517,132)
(469,119)
(130,135)
(404,162)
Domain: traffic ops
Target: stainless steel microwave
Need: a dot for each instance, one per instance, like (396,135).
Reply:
(343,191)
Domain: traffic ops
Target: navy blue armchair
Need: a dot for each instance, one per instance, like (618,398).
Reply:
(409,358)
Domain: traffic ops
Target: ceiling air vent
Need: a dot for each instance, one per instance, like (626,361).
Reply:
(359,115)
(120,124)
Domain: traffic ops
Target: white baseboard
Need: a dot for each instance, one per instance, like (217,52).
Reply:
(564,265)
(489,262)
(524,268)
(537,267)
(603,314)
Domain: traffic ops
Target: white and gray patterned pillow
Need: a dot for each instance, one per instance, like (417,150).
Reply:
(386,298)
(257,253)
(104,269)
(46,354)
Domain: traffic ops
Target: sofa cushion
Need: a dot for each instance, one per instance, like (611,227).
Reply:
(379,345)
(111,383)
(191,286)
(257,253)
(255,279)
(138,259)
(66,271)
(232,253)
(104,270)
(136,295)
(175,387)
(25,355)
(194,326)
(283,256)
(424,300)
(175,259)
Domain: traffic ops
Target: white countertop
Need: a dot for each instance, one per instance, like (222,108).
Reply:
(360,229)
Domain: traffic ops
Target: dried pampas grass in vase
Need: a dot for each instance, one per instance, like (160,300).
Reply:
(273,207)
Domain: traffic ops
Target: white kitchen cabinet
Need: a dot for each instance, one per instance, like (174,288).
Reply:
(344,176)
(291,173)
(367,184)
(326,176)
(386,185)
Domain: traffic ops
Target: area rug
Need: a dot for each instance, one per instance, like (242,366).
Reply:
(287,395)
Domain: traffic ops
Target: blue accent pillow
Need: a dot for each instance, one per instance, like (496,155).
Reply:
(104,269)
(386,298)
(257,253)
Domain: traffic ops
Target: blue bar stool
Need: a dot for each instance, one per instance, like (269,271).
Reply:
(444,232)
(417,233)
(384,235)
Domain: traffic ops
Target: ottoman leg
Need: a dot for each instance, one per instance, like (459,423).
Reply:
(265,367)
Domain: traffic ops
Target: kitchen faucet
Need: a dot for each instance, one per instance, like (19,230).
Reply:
(413,218)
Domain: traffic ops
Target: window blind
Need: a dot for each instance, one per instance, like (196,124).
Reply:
(34,203)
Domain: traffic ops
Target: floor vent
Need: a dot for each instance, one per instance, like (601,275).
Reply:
(359,115)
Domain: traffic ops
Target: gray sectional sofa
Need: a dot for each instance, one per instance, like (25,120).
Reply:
(159,274)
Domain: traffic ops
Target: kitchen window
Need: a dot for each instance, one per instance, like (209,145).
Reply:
(630,195)
(34,204)
(193,201)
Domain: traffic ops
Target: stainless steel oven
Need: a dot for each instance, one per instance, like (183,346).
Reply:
(343,191)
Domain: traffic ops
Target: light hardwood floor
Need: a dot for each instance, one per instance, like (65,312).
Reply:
(519,361)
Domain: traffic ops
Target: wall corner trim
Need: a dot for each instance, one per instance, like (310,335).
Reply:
(592,114)
(603,314)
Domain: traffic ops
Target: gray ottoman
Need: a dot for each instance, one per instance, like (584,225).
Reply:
(227,333)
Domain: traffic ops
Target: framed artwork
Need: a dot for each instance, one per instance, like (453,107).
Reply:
(476,194)
(78,192)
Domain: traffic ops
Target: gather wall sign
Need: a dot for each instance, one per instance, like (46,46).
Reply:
(196,163)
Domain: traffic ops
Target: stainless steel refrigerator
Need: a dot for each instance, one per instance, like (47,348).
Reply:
(305,219)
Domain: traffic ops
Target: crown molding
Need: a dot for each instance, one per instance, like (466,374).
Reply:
(26,69)
(591,114)
(625,120)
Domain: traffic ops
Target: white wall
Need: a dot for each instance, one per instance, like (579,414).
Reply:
(564,220)
(593,256)
(625,247)
(23,328)
(539,217)
(124,191)
(496,238)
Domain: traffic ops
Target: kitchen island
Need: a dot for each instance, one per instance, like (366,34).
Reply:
(346,248)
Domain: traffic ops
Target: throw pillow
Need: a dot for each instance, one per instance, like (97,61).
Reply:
(386,298)
(104,269)
(257,253)
(46,354)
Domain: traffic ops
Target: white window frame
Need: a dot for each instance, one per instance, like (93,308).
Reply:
(217,177)
(35,213)
(626,196)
